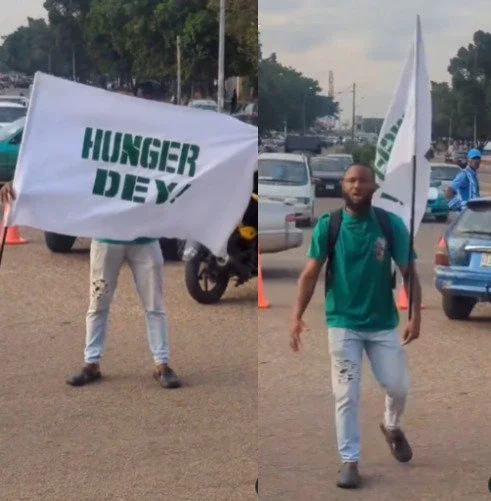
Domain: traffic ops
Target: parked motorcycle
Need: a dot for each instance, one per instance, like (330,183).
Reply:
(207,276)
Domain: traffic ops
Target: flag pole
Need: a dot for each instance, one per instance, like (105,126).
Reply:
(413,194)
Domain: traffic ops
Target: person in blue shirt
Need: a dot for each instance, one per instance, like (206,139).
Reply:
(465,186)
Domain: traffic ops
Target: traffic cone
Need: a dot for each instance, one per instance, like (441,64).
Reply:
(262,302)
(402,302)
(13,236)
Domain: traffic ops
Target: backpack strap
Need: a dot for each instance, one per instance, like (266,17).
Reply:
(335,220)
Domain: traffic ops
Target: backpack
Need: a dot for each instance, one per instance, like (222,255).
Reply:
(333,233)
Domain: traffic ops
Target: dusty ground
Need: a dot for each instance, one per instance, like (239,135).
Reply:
(447,419)
(124,439)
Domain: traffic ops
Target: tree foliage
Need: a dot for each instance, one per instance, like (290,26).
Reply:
(284,94)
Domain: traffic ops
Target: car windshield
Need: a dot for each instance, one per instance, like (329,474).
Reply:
(444,173)
(327,165)
(475,220)
(282,172)
(9,130)
(346,161)
(8,115)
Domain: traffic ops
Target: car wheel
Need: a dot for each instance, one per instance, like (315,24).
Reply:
(457,307)
(57,243)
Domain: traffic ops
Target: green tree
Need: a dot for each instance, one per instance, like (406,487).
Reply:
(285,95)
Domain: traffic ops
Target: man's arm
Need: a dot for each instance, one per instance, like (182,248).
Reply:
(7,193)
(306,286)
(457,183)
(410,278)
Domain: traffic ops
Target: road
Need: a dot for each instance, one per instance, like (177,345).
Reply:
(447,419)
(125,438)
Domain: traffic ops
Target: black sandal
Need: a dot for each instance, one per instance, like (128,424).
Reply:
(399,446)
(86,376)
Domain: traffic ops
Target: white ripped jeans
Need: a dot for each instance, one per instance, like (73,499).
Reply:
(146,263)
(389,366)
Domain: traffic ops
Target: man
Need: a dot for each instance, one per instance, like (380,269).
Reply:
(361,315)
(106,258)
(465,186)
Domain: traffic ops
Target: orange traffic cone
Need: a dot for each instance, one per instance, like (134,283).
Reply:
(402,302)
(13,236)
(262,302)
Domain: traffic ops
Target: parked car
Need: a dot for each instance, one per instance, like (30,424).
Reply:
(248,113)
(486,155)
(203,104)
(10,112)
(277,230)
(345,158)
(327,173)
(285,178)
(463,260)
(10,139)
(15,99)
(442,175)
(436,206)
(461,159)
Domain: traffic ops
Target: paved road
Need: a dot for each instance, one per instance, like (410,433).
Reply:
(448,412)
(125,439)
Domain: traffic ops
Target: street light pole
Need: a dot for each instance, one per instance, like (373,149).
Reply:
(221,58)
(178,97)
(354,111)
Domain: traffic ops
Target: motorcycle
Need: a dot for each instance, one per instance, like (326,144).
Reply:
(207,276)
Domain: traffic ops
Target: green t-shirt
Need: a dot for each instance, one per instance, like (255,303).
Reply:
(360,293)
(137,241)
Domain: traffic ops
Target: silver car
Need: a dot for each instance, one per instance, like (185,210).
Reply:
(277,229)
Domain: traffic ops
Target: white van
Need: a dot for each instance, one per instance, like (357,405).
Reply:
(285,178)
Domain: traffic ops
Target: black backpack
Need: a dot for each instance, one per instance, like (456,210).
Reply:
(335,220)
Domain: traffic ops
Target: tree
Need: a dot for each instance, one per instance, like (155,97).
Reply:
(471,81)
(286,96)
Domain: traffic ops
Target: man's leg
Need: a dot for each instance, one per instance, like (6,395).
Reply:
(105,264)
(389,366)
(146,264)
(346,350)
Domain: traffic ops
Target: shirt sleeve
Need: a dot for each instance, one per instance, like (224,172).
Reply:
(318,243)
(459,182)
(400,250)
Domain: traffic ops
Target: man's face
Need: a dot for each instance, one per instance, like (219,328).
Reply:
(358,187)
(475,163)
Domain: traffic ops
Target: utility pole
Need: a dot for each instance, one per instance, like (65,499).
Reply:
(178,97)
(221,58)
(74,73)
(475,129)
(449,129)
(354,111)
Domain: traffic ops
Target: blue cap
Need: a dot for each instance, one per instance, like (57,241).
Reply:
(474,153)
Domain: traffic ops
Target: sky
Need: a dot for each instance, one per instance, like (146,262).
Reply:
(17,12)
(366,41)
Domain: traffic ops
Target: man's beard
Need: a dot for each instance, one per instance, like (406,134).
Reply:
(361,207)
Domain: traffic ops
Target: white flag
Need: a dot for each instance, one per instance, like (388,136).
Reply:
(99,164)
(406,132)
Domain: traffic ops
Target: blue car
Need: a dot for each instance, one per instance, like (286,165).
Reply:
(463,260)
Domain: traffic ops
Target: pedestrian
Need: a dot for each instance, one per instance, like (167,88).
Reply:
(360,312)
(144,257)
(233,102)
(465,186)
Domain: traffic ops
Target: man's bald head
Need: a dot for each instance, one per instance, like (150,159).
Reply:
(355,167)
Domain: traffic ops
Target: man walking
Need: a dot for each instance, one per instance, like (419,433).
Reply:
(106,259)
(361,314)
(465,186)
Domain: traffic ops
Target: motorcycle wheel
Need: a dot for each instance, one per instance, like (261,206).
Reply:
(203,286)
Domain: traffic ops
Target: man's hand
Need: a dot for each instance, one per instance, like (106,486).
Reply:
(411,331)
(7,193)
(298,326)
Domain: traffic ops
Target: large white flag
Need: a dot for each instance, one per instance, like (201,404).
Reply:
(99,164)
(406,132)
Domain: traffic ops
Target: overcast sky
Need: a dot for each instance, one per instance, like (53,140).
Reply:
(366,41)
(16,12)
